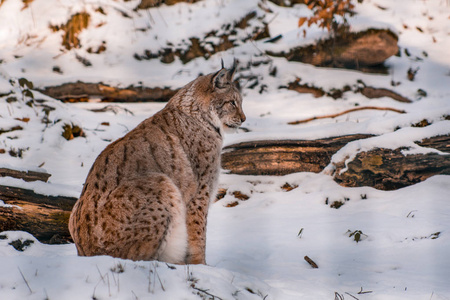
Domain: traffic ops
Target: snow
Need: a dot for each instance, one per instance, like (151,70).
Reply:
(254,249)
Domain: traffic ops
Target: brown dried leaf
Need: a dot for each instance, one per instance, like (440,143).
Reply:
(232,204)
(301,21)
(26,120)
(221,193)
(288,187)
(240,196)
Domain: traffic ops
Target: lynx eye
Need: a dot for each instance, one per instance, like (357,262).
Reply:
(233,103)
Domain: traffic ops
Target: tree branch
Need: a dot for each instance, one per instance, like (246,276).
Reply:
(346,112)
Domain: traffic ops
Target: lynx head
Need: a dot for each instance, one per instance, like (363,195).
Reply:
(214,98)
(226,100)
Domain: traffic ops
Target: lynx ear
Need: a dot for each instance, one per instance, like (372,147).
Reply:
(224,77)
(220,79)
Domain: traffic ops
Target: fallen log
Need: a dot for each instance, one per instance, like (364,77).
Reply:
(364,51)
(25,175)
(441,143)
(284,156)
(145,4)
(380,168)
(387,169)
(374,93)
(82,91)
(45,217)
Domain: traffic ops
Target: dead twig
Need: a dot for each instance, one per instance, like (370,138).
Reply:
(156,275)
(113,108)
(206,293)
(311,262)
(24,279)
(346,112)
(352,296)
(361,292)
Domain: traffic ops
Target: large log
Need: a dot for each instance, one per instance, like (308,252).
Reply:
(25,175)
(380,168)
(45,217)
(361,50)
(387,169)
(284,156)
(83,91)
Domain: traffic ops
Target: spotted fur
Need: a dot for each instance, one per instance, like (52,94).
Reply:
(147,194)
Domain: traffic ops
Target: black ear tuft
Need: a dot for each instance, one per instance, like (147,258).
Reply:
(221,60)
(232,70)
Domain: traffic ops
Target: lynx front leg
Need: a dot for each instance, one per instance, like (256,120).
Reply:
(197,212)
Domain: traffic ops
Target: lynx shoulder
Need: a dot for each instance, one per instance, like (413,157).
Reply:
(147,194)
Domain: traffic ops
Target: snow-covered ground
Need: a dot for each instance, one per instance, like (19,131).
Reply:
(255,250)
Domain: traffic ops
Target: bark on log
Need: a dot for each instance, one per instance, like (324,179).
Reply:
(145,4)
(441,143)
(360,50)
(25,175)
(83,91)
(373,93)
(380,168)
(387,169)
(45,217)
(284,156)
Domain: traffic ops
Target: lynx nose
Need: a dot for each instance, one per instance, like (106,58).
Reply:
(243,118)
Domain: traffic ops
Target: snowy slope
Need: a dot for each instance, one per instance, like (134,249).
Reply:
(254,249)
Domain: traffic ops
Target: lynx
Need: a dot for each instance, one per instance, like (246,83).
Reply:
(147,194)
